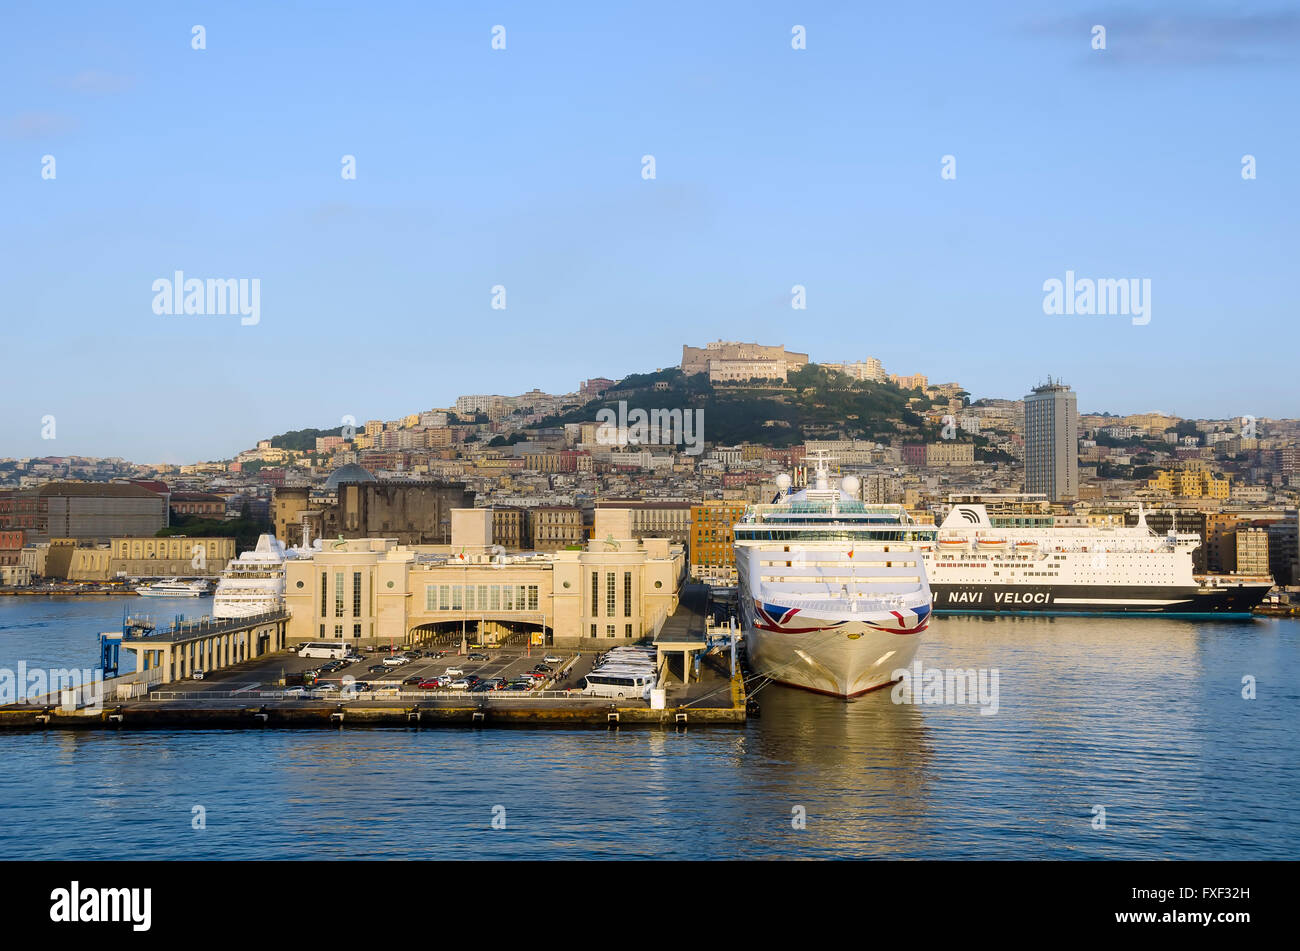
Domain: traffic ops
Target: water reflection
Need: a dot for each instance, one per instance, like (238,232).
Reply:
(1146,719)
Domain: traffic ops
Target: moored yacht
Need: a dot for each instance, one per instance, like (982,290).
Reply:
(174,588)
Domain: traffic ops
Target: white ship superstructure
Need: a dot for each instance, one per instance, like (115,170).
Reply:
(1007,554)
(832,593)
(253,583)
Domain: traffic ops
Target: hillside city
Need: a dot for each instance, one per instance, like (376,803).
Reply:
(684,449)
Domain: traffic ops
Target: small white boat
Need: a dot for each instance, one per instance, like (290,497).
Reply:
(174,588)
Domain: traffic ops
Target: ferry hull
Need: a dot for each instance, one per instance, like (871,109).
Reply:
(1188,600)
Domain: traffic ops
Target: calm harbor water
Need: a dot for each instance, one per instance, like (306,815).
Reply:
(1143,717)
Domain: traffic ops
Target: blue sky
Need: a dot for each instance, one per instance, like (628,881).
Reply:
(522,167)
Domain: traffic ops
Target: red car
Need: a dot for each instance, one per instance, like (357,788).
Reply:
(431,684)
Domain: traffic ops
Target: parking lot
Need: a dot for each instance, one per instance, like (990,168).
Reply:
(279,677)
(507,664)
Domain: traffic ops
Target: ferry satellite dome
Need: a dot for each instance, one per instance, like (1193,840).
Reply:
(347,474)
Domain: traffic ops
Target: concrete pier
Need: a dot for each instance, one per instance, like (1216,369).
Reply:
(208,645)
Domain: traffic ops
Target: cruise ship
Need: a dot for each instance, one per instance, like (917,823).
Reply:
(174,588)
(832,593)
(1006,554)
(253,583)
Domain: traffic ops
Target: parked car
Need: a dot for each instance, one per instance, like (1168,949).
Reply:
(417,678)
(543,668)
(552,659)
(439,655)
(459,685)
(198,675)
(396,660)
(481,687)
(378,669)
(455,672)
(295,692)
(477,656)
(433,683)
(518,685)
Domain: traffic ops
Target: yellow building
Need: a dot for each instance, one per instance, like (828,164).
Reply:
(1153,424)
(713,551)
(1191,481)
(165,557)
(145,557)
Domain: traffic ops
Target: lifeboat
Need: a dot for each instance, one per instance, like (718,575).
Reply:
(1026,546)
(994,543)
(951,543)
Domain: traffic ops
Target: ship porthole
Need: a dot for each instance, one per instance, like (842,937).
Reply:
(300,584)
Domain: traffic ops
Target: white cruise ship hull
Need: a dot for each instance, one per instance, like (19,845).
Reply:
(225,608)
(839,653)
(832,592)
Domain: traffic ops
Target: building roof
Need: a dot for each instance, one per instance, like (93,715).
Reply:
(347,474)
(97,490)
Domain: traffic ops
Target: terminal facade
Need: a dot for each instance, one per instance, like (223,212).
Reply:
(378,592)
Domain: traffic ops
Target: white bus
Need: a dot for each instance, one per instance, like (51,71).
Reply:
(332,649)
(619,683)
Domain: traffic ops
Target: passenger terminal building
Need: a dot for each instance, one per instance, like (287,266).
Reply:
(375,591)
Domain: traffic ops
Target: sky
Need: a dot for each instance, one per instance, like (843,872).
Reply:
(523,167)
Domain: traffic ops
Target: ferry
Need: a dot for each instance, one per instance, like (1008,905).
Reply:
(174,588)
(1040,567)
(832,593)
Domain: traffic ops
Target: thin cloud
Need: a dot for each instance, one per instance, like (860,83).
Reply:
(38,125)
(1185,39)
(97,81)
